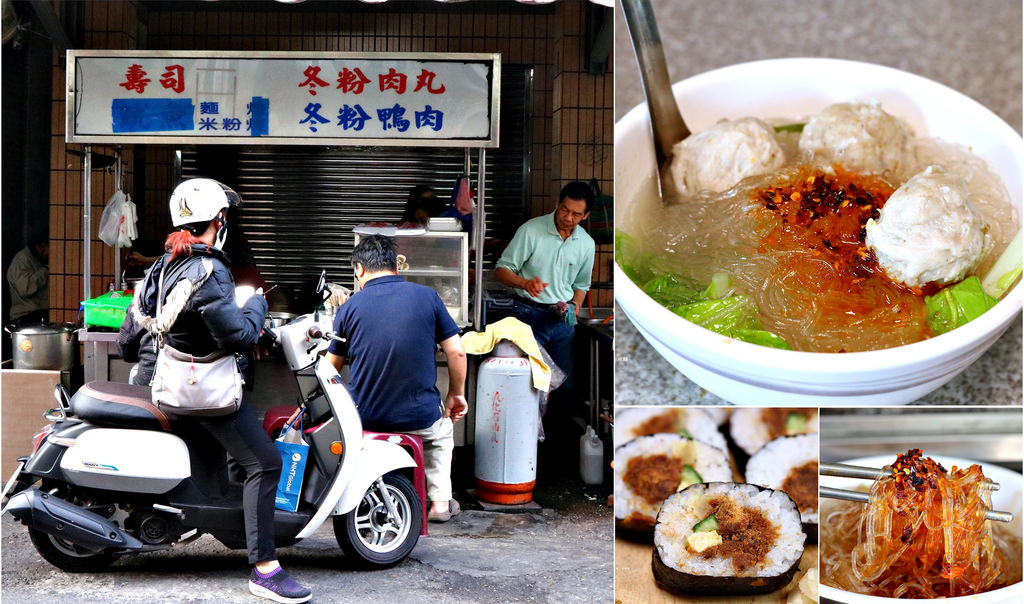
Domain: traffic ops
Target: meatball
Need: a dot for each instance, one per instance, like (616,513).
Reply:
(721,156)
(860,137)
(928,231)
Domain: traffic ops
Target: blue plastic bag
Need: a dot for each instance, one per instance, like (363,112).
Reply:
(294,453)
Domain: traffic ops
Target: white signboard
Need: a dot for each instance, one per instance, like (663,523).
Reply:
(229,97)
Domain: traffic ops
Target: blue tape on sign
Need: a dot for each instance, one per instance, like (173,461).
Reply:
(259,116)
(152,115)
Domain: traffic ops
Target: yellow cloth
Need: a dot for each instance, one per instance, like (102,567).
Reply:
(520,334)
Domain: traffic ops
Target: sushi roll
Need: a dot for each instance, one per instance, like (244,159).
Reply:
(790,464)
(751,428)
(724,538)
(687,421)
(650,468)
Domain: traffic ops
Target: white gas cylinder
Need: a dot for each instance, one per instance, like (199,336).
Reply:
(507,415)
(591,457)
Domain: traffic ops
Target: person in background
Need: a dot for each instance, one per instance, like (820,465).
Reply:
(421,205)
(28,277)
(393,328)
(549,264)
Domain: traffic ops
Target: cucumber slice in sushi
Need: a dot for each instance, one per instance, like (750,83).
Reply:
(762,541)
(650,468)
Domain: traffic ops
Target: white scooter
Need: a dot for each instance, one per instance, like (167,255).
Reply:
(113,475)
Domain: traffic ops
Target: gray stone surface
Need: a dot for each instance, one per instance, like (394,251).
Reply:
(972,47)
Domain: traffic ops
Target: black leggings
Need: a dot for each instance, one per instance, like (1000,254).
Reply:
(242,435)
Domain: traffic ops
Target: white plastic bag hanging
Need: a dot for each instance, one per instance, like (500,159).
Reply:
(110,222)
(118,223)
(127,231)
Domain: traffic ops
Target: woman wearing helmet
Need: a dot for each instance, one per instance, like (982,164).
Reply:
(196,272)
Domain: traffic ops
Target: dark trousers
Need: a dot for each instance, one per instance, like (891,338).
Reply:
(242,435)
(555,335)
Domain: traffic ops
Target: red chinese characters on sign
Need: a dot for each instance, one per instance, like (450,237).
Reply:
(135,79)
(312,79)
(392,80)
(352,80)
(173,78)
(426,80)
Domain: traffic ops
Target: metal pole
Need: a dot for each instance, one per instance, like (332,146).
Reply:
(117,248)
(87,224)
(479,226)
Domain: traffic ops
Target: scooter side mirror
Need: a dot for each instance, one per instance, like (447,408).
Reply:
(321,283)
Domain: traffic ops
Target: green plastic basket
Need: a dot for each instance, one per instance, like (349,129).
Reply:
(107,310)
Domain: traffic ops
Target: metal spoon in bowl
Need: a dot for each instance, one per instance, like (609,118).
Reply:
(667,125)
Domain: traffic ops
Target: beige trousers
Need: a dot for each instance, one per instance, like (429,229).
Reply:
(438,444)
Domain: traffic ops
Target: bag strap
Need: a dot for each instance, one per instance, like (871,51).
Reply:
(178,299)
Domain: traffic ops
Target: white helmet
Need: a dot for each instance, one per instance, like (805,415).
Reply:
(199,200)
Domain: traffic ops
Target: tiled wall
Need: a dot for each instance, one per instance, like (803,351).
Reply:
(111,25)
(572,112)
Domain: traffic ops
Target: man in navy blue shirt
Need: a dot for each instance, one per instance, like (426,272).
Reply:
(393,328)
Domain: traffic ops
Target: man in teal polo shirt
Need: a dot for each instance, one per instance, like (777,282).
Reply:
(549,264)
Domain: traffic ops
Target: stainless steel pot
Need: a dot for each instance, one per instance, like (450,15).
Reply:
(45,346)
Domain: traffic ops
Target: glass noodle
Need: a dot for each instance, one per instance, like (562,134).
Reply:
(927,541)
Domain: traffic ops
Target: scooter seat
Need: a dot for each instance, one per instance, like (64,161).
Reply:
(119,405)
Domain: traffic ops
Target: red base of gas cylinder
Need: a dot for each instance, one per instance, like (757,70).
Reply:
(505,494)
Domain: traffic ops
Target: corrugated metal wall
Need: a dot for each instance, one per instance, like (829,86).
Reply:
(301,203)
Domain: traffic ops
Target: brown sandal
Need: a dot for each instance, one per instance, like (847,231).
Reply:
(453,509)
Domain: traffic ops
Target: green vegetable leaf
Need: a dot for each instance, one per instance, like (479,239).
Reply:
(957,305)
(668,290)
(721,286)
(790,128)
(1006,271)
(760,337)
(721,315)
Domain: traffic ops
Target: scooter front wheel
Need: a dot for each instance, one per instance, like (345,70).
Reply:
(385,526)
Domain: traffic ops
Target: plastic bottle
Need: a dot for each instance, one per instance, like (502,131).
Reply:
(591,457)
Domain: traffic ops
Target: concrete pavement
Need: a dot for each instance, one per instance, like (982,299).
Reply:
(562,553)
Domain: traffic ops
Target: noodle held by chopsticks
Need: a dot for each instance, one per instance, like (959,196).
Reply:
(922,535)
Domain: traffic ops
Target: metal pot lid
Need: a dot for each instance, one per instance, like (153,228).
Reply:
(43,329)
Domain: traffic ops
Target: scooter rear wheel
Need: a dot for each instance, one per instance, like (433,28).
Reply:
(67,556)
(371,535)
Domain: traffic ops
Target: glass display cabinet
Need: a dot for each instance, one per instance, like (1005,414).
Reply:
(439,260)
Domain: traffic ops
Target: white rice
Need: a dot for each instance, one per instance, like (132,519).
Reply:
(686,508)
(751,433)
(694,420)
(712,465)
(773,462)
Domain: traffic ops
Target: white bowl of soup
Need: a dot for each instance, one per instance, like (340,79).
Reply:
(1007,499)
(792,90)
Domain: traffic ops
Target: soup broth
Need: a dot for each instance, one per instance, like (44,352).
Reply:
(803,262)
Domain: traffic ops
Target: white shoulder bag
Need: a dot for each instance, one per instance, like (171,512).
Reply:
(184,384)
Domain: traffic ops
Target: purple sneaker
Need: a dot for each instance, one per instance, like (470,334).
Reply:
(278,586)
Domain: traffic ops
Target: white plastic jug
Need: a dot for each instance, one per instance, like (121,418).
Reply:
(591,457)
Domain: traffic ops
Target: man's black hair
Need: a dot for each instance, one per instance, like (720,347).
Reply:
(578,190)
(37,239)
(375,253)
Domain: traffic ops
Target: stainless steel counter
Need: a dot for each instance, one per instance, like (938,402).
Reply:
(100,358)
(973,50)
